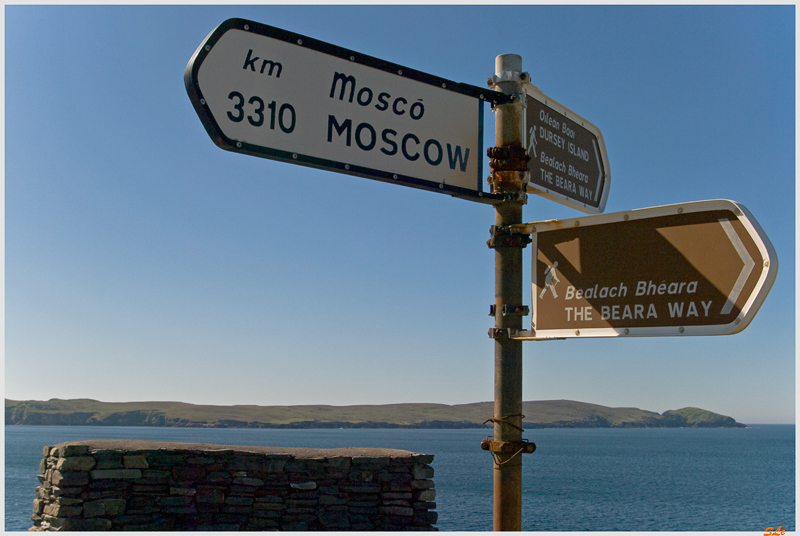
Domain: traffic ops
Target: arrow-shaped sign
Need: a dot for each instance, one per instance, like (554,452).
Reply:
(271,93)
(699,268)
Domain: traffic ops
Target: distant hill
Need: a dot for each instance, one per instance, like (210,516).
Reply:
(538,414)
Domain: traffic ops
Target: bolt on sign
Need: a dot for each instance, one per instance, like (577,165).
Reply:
(700,268)
(569,161)
(267,92)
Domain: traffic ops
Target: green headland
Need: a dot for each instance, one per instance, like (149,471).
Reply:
(538,414)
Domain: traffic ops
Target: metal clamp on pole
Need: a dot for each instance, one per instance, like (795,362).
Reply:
(509,447)
(523,446)
(505,237)
(511,310)
(509,167)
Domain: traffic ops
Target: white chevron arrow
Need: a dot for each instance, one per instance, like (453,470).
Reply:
(749,264)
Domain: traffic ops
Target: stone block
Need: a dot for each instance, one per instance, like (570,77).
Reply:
(364,460)
(338,464)
(165,459)
(368,500)
(270,499)
(151,489)
(360,476)
(331,500)
(246,481)
(275,507)
(239,501)
(115,507)
(200,460)
(108,460)
(238,519)
(422,484)
(400,487)
(363,510)
(396,495)
(66,492)
(134,462)
(422,472)
(63,511)
(234,509)
(175,501)
(303,485)
(422,518)
(303,494)
(186,492)
(273,514)
(208,508)
(136,519)
(301,502)
(156,474)
(65,451)
(101,474)
(261,524)
(94,509)
(69,478)
(68,501)
(83,525)
(210,495)
(365,487)
(188,473)
(397,511)
(141,502)
(244,463)
(38,506)
(182,510)
(219,476)
(75,463)
(334,520)
(426,495)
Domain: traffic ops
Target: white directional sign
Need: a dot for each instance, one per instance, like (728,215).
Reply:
(569,162)
(267,92)
(700,268)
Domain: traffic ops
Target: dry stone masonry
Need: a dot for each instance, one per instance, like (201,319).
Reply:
(146,485)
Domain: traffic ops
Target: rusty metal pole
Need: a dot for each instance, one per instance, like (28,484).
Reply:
(508,291)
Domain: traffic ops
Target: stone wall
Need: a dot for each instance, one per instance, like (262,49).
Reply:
(145,485)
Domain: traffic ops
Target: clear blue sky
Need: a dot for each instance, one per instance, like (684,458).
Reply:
(144,263)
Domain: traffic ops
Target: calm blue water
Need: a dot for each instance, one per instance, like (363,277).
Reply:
(578,479)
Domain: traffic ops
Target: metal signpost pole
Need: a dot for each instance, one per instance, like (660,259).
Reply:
(508,180)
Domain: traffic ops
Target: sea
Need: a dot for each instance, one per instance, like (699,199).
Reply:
(601,479)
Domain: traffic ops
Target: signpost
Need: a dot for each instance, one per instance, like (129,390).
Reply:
(267,92)
(700,268)
(693,269)
(569,162)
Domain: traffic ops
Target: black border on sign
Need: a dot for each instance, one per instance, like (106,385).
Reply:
(190,78)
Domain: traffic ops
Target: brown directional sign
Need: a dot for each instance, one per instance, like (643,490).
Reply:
(569,162)
(700,268)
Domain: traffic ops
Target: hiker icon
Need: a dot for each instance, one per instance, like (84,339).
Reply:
(532,142)
(549,277)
